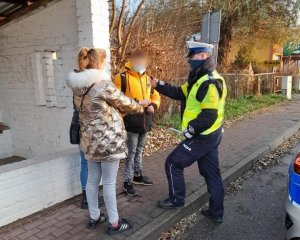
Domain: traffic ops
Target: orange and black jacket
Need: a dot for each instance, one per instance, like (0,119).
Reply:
(138,87)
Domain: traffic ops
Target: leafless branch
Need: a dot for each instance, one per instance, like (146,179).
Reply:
(120,23)
(131,25)
(113,16)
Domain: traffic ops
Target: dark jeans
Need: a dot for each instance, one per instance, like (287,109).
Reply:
(205,153)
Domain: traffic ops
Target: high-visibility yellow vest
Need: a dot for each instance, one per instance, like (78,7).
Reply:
(212,100)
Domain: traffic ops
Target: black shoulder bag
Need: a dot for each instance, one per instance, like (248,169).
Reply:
(75,125)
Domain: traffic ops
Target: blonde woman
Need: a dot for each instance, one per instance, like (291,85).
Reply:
(102,133)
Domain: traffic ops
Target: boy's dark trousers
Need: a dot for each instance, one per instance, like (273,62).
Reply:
(205,153)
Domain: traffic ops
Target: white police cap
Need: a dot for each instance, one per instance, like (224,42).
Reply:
(198,47)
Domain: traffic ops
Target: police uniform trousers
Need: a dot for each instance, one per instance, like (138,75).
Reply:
(205,153)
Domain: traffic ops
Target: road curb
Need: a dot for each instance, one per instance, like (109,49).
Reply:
(198,198)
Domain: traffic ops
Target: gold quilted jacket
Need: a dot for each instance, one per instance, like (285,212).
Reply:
(102,132)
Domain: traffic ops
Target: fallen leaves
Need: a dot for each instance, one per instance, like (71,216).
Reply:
(274,157)
(175,232)
(160,138)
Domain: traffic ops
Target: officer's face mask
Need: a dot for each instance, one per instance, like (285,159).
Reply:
(139,68)
(195,64)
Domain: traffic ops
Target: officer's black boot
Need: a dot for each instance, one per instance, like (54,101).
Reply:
(207,213)
(167,204)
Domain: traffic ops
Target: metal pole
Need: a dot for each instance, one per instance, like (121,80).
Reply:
(216,51)
(235,86)
(259,85)
(208,26)
(217,44)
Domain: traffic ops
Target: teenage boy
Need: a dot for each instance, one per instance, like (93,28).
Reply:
(135,84)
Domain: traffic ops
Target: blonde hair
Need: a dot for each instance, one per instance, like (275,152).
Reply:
(90,58)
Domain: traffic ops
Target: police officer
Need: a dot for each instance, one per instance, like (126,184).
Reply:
(204,98)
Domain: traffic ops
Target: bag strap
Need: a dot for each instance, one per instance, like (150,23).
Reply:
(85,95)
(123,82)
(151,91)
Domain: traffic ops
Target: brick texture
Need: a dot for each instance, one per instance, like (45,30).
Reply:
(67,221)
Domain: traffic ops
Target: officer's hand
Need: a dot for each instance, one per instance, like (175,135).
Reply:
(187,134)
(154,82)
(150,109)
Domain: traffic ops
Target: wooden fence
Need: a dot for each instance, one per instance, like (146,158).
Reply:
(238,85)
(246,84)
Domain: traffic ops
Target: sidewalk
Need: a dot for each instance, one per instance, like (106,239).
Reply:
(242,139)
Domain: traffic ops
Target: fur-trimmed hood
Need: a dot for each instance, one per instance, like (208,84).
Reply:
(79,81)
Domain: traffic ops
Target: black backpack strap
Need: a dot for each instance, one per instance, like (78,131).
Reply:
(123,82)
(151,91)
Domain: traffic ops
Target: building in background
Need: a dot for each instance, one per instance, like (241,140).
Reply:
(291,63)
(276,52)
(39,40)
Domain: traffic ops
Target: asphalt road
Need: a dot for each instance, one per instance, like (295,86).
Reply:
(256,212)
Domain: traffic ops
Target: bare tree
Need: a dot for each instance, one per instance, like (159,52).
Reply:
(162,26)
(271,21)
(154,20)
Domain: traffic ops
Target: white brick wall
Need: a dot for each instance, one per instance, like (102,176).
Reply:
(93,19)
(36,104)
(34,99)
(34,184)
(6,144)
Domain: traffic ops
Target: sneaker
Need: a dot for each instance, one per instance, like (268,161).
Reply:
(128,188)
(123,226)
(94,223)
(207,213)
(142,180)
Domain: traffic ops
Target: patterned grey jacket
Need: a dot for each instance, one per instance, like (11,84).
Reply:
(102,132)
